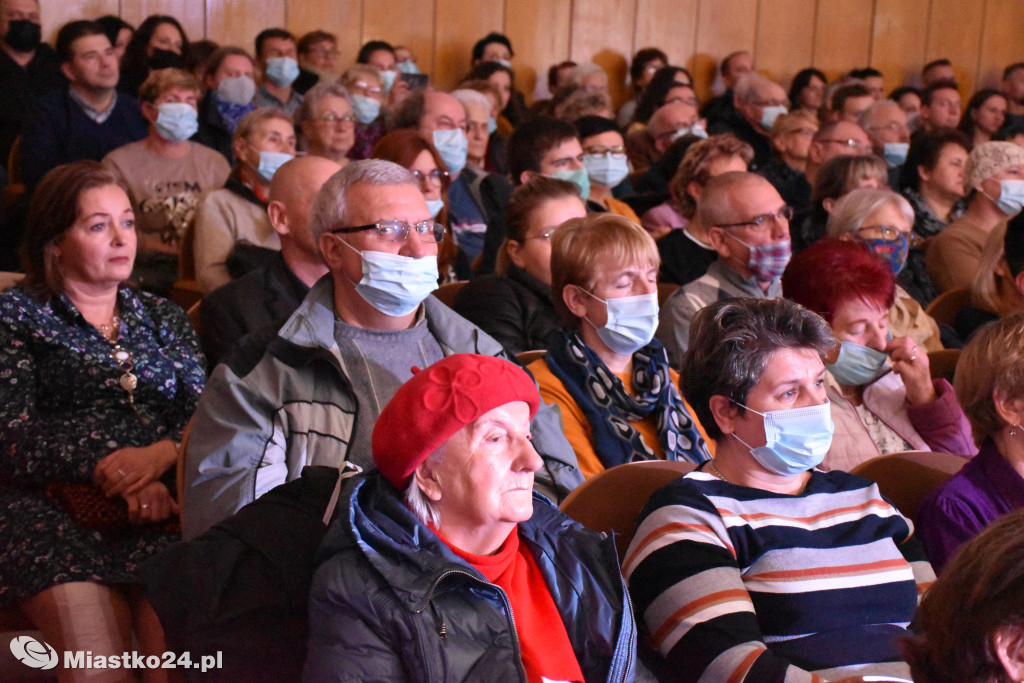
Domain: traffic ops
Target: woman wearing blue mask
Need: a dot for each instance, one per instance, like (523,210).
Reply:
(756,566)
(883,221)
(883,397)
(232,232)
(606,372)
(366,86)
(168,174)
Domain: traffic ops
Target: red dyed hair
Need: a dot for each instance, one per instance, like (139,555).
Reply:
(832,272)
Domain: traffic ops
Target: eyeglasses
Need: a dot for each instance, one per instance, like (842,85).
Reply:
(685,100)
(892,127)
(854,144)
(331,118)
(760,222)
(889,233)
(546,235)
(398,231)
(324,52)
(436,177)
(617,150)
(367,88)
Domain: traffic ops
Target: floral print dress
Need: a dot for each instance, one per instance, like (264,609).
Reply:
(62,410)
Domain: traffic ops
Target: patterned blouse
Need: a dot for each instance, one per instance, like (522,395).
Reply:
(62,409)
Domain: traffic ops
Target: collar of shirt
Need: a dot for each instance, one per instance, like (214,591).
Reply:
(97,116)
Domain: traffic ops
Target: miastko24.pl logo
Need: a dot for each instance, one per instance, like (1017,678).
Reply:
(39,655)
(34,653)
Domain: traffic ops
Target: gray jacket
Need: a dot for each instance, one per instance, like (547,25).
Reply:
(259,423)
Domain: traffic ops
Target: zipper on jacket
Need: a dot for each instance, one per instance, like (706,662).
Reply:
(442,631)
(504,599)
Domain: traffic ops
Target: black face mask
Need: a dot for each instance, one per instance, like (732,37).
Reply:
(164,59)
(23,35)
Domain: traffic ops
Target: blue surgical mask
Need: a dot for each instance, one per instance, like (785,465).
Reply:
(696,129)
(282,71)
(435,206)
(365,109)
(1011,196)
(504,62)
(606,170)
(453,146)
(632,321)
(769,114)
(237,90)
(387,79)
(492,125)
(895,153)
(577,177)
(270,162)
(393,284)
(407,67)
(176,121)
(796,439)
(857,364)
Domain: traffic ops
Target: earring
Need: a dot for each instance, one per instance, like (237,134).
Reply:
(1013,429)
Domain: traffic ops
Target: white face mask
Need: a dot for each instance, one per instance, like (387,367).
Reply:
(393,284)
(606,170)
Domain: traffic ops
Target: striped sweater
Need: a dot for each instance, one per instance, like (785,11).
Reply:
(741,584)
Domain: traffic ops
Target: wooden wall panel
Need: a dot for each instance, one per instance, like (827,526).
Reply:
(602,32)
(784,45)
(56,13)
(954,32)
(191,14)
(343,19)
(898,39)
(410,23)
(539,31)
(842,35)
(1000,40)
(459,26)
(237,22)
(668,24)
(723,26)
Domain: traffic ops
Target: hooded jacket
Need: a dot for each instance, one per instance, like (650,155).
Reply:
(392,602)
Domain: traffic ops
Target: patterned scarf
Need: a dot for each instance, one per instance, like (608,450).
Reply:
(610,408)
(232,113)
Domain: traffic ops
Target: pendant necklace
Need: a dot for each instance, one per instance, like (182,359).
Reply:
(124,360)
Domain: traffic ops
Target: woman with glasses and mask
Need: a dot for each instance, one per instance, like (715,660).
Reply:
(408,149)
(365,85)
(514,305)
(327,123)
(883,398)
(604,159)
(883,222)
(757,566)
(605,370)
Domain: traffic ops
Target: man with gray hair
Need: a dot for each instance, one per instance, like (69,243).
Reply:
(311,396)
(747,223)
(886,126)
(758,101)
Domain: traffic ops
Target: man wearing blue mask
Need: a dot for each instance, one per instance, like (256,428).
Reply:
(167,173)
(758,101)
(232,233)
(313,393)
(886,126)
(476,198)
(747,223)
(277,55)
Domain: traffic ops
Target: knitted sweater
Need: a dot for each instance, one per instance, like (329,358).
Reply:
(742,584)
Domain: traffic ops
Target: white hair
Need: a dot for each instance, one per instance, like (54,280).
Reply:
(328,209)
(746,87)
(581,71)
(425,509)
(467,97)
(852,209)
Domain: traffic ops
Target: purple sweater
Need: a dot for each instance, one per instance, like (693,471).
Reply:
(985,489)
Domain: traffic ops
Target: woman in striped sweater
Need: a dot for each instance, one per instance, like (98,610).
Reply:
(757,567)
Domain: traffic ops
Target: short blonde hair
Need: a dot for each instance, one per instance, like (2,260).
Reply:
(578,244)
(248,124)
(991,364)
(160,81)
(793,121)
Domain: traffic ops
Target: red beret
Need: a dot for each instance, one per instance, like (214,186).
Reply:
(439,401)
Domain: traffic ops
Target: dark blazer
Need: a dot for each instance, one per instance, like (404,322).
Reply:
(264,298)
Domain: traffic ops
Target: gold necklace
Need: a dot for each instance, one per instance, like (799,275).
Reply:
(718,473)
(124,360)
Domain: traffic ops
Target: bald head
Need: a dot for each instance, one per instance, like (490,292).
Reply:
(753,94)
(291,194)
(669,118)
(441,111)
(725,197)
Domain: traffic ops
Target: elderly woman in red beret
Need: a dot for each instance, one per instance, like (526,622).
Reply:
(430,557)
